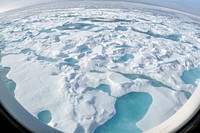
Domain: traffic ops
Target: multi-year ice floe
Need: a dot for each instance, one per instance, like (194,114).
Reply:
(92,69)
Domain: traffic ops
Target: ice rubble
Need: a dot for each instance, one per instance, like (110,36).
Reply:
(55,55)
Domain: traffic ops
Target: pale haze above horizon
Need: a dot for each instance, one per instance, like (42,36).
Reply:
(191,6)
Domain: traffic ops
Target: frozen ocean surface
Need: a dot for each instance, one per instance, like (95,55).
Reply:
(130,108)
(100,68)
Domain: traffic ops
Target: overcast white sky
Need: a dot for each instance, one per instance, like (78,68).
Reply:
(6,5)
(192,6)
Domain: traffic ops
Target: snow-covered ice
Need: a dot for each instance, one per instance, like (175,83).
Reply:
(73,67)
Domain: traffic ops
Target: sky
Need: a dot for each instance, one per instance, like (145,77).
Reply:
(191,6)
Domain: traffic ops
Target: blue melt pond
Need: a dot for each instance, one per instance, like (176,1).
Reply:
(72,62)
(130,108)
(121,28)
(43,58)
(44,116)
(103,87)
(76,26)
(173,37)
(189,77)
(84,48)
(124,58)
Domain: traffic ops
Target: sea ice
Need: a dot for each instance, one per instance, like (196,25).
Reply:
(90,69)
